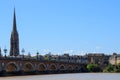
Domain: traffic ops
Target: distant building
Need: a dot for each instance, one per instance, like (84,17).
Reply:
(98,58)
(84,60)
(40,57)
(67,58)
(64,58)
(114,59)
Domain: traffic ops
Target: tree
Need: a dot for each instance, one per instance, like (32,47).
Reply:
(117,68)
(93,68)
(110,68)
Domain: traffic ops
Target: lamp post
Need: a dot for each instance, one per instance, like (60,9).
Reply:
(5,51)
(37,55)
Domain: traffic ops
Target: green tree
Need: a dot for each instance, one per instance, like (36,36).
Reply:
(110,68)
(93,68)
(117,68)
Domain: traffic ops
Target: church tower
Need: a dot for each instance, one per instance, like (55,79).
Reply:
(14,40)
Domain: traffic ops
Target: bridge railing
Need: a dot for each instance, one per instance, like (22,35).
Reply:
(33,59)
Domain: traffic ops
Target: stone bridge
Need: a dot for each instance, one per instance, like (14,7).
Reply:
(35,66)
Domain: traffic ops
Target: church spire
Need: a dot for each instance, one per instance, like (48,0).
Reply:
(14,40)
(0,52)
(14,21)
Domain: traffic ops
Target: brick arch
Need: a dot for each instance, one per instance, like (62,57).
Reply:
(52,67)
(12,67)
(28,67)
(70,67)
(42,67)
(62,67)
(76,68)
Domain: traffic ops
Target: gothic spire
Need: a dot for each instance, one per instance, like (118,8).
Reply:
(14,40)
(14,22)
(0,50)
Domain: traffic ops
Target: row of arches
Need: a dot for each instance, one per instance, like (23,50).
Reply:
(29,67)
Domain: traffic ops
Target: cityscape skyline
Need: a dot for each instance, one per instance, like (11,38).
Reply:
(62,26)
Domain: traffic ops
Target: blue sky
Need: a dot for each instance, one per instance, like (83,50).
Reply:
(59,26)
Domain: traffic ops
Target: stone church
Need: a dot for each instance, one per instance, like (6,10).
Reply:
(14,40)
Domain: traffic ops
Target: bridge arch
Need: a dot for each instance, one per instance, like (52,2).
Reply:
(12,67)
(42,67)
(28,67)
(62,67)
(70,67)
(76,68)
(52,67)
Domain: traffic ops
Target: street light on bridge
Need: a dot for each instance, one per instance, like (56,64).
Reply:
(5,51)
(37,55)
(23,51)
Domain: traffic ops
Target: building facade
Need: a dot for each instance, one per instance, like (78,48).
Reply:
(98,58)
(114,59)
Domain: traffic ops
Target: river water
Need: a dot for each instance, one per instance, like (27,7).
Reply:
(78,76)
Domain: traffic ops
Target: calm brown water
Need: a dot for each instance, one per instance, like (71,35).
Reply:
(80,76)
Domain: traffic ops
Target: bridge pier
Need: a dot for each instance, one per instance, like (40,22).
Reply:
(36,72)
(3,73)
(62,71)
(43,72)
(21,72)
